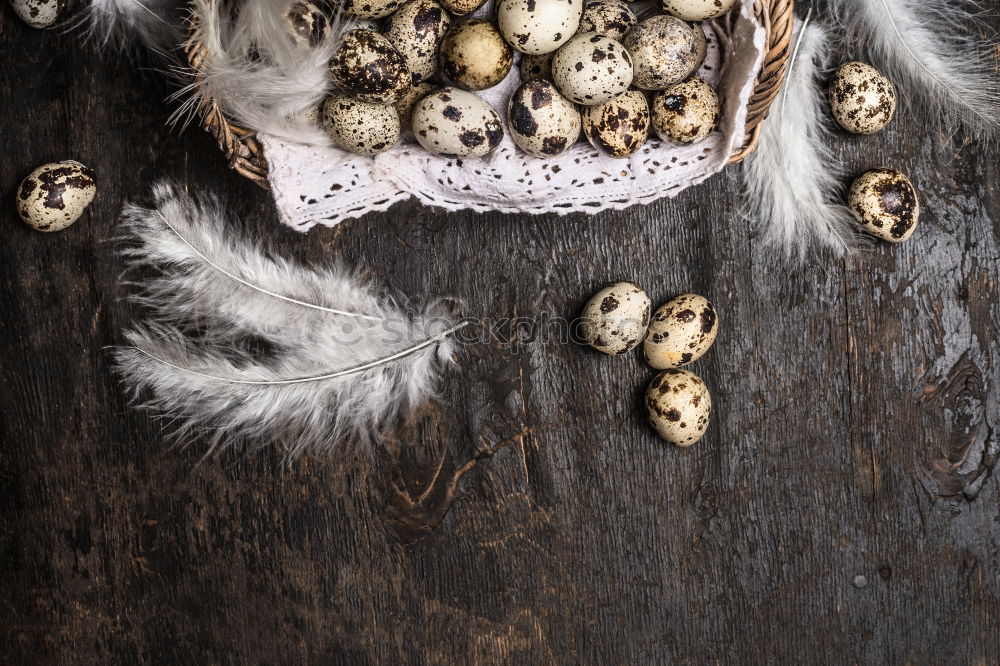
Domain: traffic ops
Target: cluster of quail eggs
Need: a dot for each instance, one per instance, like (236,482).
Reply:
(617,319)
(587,66)
(884,201)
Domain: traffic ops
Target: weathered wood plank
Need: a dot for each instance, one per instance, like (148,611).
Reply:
(842,508)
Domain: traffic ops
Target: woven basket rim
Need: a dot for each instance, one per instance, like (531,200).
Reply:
(245,154)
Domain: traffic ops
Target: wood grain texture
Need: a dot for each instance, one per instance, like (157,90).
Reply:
(843,507)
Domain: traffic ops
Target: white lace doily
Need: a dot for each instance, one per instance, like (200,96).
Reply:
(325,185)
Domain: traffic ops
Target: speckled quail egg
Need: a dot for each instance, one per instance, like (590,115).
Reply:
(679,406)
(697,10)
(611,18)
(533,67)
(686,112)
(369,67)
(538,26)
(456,123)
(474,56)
(404,105)
(614,319)
(701,43)
(680,331)
(369,9)
(618,127)
(542,122)
(591,69)
(886,203)
(664,51)
(39,13)
(416,30)
(54,195)
(863,101)
(357,126)
(307,24)
(462,7)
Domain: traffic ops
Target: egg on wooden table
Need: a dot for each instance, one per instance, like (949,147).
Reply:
(614,319)
(538,26)
(619,127)
(862,99)
(38,13)
(542,122)
(592,69)
(686,112)
(611,18)
(368,66)
(534,67)
(54,195)
(886,203)
(680,331)
(474,55)
(664,50)
(456,123)
(357,126)
(307,24)
(697,10)
(416,30)
(679,406)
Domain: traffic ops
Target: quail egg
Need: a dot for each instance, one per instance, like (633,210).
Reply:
(54,195)
(614,320)
(611,18)
(664,51)
(416,30)
(369,9)
(618,127)
(538,26)
(886,203)
(862,100)
(357,126)
(457,123)
(307,24)
(369,67)
(591,69)
(474,56)
(542,122)
(462,7)
(535,67)
(404,105)
(39,13)
(680,331)
(686,112)
(701,43)
(679,406)
(697,10)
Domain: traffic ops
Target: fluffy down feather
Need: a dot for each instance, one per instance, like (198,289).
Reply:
(257,75)
(791,177)
(134,25)
(927,49)
(305,392)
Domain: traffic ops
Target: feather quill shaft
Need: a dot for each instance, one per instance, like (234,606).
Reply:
(927,49)
(792,177)
(325,376)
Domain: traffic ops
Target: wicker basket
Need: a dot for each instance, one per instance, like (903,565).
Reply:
(246,155)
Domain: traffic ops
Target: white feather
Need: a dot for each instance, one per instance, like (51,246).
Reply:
(322,378)
(257,74)
(792,177)
(927,49)
(129,25)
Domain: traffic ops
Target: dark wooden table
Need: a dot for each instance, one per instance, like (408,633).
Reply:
(841,509)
